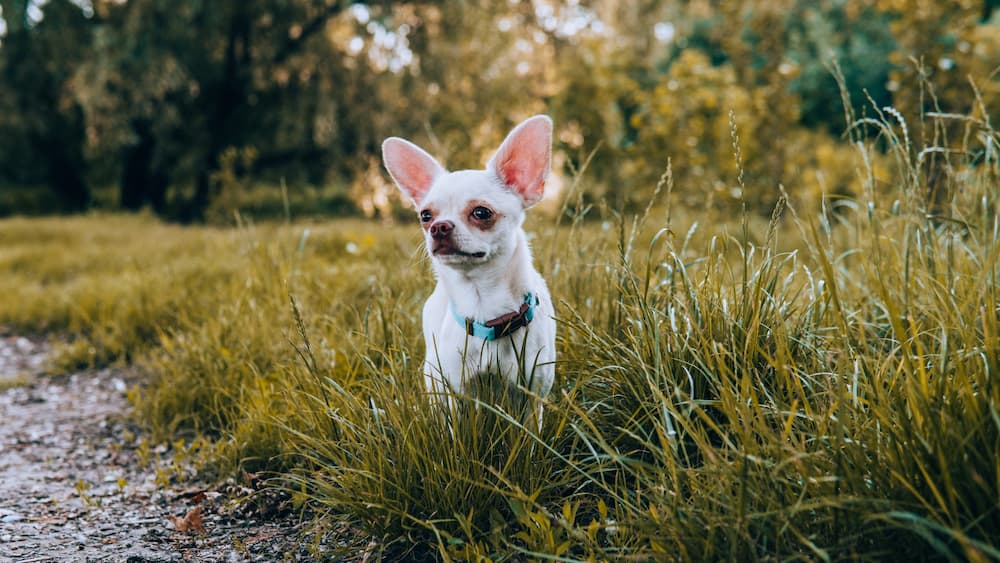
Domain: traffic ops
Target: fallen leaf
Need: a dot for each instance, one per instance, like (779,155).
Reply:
(191,522)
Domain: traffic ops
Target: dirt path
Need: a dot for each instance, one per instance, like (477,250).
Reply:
(73,488)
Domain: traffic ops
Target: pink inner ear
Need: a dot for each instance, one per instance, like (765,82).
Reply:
(523,172)
(524,158)
(412,169)
(417,176)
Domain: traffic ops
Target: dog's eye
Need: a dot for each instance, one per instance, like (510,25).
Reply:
(482,213)
(426,216)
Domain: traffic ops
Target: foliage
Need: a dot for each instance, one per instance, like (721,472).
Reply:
(858,37)
(43,128)
(151,98)
(787,352)
(812,386)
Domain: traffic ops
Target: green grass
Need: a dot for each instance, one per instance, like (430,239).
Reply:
(818,386)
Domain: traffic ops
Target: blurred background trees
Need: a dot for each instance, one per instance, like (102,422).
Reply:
(197,109)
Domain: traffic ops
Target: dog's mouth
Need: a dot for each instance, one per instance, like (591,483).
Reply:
(442,248)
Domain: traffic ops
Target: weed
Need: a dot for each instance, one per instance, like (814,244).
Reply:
(817,384)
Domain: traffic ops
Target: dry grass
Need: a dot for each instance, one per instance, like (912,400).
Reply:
(816,386)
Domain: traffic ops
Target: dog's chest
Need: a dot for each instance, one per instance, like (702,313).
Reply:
(523,357)
(470,355)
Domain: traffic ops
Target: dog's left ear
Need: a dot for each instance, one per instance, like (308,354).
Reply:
(524,158)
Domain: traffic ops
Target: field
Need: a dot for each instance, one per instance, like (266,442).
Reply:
(772,239)
(813,386)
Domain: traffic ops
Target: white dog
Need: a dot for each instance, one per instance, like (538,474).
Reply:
(491,312)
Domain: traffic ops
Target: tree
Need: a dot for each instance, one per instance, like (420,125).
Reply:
(39,116)
(855,35)
(940,48)
(176,84)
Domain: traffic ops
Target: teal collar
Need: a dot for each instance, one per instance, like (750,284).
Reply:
(504,325)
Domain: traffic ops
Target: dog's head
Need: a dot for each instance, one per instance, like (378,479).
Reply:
(471,216)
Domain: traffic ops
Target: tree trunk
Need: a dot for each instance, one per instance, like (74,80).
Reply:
(136,173)
(232,92)
(61,146)
(66,180)
(143,182)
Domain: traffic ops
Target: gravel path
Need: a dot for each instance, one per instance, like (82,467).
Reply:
(76,484)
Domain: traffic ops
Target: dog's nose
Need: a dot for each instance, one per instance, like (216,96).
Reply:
(442,229)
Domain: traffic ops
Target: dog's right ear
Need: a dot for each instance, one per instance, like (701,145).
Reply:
(413,170)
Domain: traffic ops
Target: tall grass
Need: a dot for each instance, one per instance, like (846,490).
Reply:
(817,385)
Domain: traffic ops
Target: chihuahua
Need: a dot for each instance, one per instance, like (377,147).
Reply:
(491,312)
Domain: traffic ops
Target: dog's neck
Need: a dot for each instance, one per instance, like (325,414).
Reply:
(492,289)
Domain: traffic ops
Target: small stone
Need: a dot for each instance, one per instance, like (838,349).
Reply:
(13,517)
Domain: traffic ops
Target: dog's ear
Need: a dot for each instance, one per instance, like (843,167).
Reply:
(413,170)
(523,160)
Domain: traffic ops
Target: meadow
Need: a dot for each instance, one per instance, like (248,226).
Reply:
(816,385)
